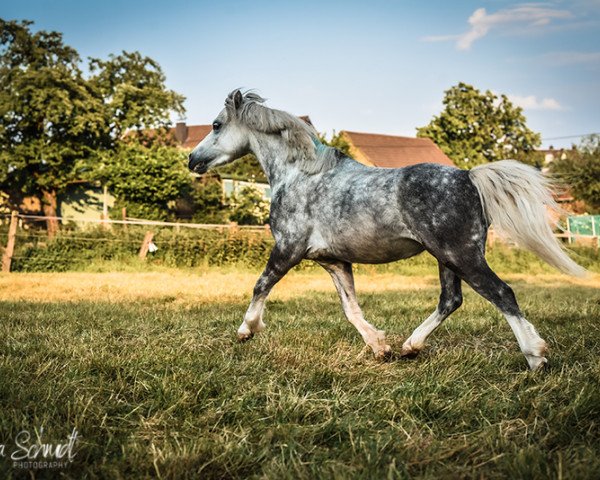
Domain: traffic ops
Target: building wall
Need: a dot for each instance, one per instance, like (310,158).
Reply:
(357,154)
(83,201)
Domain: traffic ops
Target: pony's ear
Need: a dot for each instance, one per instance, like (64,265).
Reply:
(233,103)
(237,99)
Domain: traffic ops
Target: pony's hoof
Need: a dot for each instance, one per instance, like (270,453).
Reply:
(536,363)
(384,354)
(244,337)
(408,351)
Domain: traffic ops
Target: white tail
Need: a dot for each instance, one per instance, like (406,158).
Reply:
(517,200)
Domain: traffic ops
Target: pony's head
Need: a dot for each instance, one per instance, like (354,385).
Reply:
(229,138)
(245,122)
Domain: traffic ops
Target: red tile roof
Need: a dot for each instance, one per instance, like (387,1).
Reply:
(394,152)
(195,134)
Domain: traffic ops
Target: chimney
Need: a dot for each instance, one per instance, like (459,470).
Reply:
(181,132)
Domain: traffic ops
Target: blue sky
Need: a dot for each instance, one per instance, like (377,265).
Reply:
(373,66)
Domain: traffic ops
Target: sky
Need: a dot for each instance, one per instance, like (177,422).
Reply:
(371,66)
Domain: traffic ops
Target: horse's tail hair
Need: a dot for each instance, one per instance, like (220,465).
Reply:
(517,199)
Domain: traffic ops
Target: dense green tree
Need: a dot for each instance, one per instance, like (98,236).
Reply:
(50,117)
(581,171)
(478,127)
(134,94)
(139,163)
(147,180)
(58,127)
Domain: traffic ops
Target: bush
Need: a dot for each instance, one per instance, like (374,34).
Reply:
(78,250)
(207,201)
(147,181)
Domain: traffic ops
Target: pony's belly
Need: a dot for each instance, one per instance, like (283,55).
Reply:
(366,250)
(382,252)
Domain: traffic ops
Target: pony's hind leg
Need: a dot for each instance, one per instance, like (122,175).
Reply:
(477,273)
(341,273)
(450,300)
(279,264)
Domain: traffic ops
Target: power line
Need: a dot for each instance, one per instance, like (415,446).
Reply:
(571,136)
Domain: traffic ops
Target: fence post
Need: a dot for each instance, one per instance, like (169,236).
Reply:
(145,244)
(10,243)
(233,227)
(491,238)
(105,224)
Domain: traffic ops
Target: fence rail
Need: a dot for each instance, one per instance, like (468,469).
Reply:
(139,221)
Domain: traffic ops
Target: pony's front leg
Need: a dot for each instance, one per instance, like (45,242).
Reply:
(280,262)
(341,273)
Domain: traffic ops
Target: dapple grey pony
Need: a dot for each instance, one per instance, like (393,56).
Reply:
(336,211)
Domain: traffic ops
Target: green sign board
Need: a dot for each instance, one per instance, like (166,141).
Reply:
(588,225)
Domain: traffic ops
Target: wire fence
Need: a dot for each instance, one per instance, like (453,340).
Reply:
(139,221)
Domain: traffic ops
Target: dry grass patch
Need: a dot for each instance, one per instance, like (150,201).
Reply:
(221,285)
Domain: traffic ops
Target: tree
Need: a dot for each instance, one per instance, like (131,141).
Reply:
(581,171)
(139,162)
(58,127)
(476,128)
(248,207)
(134,94)
(147,180)
(50,118)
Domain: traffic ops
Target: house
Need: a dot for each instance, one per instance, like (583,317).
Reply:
(391,151)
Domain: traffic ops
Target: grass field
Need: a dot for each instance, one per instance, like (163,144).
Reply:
(147,368)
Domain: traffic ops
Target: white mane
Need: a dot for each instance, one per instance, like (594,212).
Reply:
(302,140)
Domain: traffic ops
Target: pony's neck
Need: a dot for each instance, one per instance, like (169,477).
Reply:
(271,155)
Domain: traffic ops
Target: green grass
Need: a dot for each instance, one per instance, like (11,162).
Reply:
(160,390)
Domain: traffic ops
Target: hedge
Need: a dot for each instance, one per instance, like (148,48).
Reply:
(118,248)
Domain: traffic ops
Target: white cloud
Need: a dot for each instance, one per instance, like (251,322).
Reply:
(531,102)
(531,15)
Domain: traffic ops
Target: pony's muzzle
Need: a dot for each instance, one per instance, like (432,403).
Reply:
(196,164)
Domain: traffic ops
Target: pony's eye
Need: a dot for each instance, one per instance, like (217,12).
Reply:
(216,126)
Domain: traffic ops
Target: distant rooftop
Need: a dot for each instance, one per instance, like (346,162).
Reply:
(391,151)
